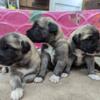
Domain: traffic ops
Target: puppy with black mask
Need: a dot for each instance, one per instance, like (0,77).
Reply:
(18,52)
(46,30)
(84,43)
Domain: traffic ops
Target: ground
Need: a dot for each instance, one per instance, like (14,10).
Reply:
(75,87)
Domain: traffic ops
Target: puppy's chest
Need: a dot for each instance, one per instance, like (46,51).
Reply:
(79,57)
(51,52)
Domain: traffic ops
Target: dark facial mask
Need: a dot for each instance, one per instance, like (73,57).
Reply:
(89,45)
(37,35)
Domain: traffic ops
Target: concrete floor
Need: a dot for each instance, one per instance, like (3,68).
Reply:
(75,87)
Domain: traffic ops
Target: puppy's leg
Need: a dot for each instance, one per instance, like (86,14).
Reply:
(91,68)
(29,78)
(60,65)
(45,59)
(68,67)
(16,86)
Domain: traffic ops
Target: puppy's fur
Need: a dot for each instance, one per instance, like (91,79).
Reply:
(4,69)
(47,30)
(18,52)
(83,41)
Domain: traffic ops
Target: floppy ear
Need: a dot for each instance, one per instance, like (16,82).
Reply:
(35,24)
(53,28)
(25,47)
(76,39)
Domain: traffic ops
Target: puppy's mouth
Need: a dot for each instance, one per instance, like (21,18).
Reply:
(89,51)
(9,62)
(6,63)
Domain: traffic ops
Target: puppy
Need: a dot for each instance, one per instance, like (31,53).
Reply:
(18,52)
(46,30)
(83,43)
(47,54)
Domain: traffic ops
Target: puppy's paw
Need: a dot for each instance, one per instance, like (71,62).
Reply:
(38,79)
(4,70)
(94,76)
(63,75)
(17,94)
(54,78)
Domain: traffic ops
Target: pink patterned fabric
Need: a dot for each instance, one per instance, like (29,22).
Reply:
(69,21)
(14,21)
(19,20)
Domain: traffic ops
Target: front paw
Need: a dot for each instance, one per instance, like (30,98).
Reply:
(63,75)
(38,79)
(54,78)
(94,77)
(4,70)
(17,94)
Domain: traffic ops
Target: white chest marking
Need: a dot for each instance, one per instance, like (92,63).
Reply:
(79,55)
(51,52)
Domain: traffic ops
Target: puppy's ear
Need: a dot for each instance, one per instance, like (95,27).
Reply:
(35,24)
(25,47)
(53,28)
(76,38)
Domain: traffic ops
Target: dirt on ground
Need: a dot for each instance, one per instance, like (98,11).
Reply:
(77,86)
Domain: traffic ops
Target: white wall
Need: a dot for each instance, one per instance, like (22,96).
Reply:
(65,5)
